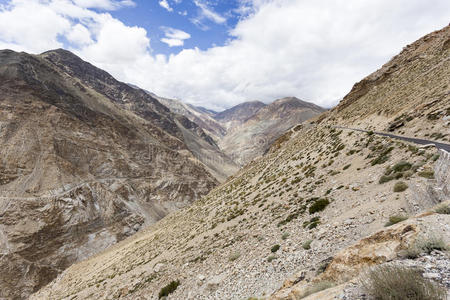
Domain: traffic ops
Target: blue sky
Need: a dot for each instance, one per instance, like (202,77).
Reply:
(218,54)
(182,16)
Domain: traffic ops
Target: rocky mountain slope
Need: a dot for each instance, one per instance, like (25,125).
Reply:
(85,162)
(253,136)
(238,114)
(317,207)
(205,149)
(245,131)
(202,117)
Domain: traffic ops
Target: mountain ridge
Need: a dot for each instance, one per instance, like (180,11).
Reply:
(85,163)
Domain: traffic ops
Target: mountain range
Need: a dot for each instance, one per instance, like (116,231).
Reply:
(88,160)
(307,220)
(110,191)
(245,131)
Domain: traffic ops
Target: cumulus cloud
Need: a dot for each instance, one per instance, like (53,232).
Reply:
(315,51)
(79,35)
(174,37)
(165,4)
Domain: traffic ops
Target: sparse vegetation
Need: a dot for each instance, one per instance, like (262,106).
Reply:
(401,166)
(426,174)
(312,223)
(271,258)
(169,289)
(385,178)
(395,282)
(425,246)
(275,248)
(285,236)
(318,205)
(317,287)
(382,157)
(395,219)
(443,209)
(400,187)
(307,245)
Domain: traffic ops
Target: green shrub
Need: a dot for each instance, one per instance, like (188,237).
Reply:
(275,248)
(316,287)
(272,257)
(443,209)
(395,282)
(347,166)
(307,245)
(385,178)
(400,187)
(395,219)
(408,174)
(382,157)
(285,236)
(402,166)
(388,171)
(398,175)
(427,174)
(169,289)
(318,205)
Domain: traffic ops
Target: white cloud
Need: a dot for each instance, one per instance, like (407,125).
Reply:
(165,4)
(174,37)
(79,35)
(206,13)
(30,26)
(315,51)
(104,4)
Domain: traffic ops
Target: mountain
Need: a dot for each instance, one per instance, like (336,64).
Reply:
(202,117)
(205,110)
(315,212)
(210,131)
(238,114)
(86,162)
(245,131)
(252,137)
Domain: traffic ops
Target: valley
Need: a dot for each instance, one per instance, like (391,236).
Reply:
(313,210)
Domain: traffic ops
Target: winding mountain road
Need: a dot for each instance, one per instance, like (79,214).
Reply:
(438,145)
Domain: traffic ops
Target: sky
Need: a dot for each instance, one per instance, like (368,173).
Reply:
(218,54)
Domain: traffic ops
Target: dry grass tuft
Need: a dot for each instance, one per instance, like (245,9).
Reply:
(400,283)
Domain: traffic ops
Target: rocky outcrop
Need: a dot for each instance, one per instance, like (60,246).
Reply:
(381,247)
(442,175)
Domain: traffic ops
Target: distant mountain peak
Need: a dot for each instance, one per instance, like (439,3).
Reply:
(240,112)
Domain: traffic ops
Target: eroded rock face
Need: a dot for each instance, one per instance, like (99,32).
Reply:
(253,136)
(85,162)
